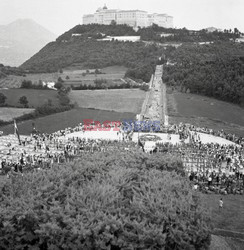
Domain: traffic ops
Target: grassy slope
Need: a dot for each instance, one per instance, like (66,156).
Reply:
(7,114)
(122,100)
(206,112)
(34,96)
(231,217)
(52,123)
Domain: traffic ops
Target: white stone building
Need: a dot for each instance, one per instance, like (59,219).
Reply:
(133,18)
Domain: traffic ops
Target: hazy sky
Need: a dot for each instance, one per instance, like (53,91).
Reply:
(60,15)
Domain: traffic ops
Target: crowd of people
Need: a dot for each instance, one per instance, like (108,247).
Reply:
(211,167)
(40,151)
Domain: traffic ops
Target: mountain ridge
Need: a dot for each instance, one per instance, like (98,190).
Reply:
(21,39)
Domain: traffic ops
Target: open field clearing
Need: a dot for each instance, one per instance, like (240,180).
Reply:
(206,112)
(8,114)
(71,118)
(231,217)
(35,97)
(120,100)
(75,74)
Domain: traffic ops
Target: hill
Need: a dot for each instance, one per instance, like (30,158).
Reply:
(215,70)
(21,39)
(81,45)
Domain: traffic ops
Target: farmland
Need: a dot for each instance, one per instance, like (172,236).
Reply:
(8,114)
(205,112)
(123,100)
(35,97)
(72,118)
(75,74)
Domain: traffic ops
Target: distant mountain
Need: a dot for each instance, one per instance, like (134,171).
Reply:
(21,39)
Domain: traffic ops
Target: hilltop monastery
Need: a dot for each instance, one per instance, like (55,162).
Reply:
(134,18)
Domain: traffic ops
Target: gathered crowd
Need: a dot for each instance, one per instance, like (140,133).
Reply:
(211,167)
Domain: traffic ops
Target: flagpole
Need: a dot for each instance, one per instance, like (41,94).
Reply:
(16,131)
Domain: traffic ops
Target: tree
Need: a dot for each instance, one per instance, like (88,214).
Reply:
(113,22)
(58,85)
(67,77)
(60,79)
(2,98)
(24,101)
(26,84)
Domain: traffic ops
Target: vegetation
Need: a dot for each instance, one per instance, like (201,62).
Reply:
(27,84)
(36,97)
(203,111)
(121,100)
(117,200)
(155,33)
(7,70)
(97,54)
(103,85)
(64,119)
(91,53)
(24,101)
(2,99)
(215,70)
(97,31)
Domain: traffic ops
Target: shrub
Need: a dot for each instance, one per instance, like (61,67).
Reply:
(102,201)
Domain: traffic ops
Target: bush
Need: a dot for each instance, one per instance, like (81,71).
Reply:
(111,200)
(144,87)
(2,99)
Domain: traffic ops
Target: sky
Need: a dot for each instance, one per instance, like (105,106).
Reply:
(59,16)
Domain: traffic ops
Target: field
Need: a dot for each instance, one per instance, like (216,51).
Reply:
(114,73)
(231,217)
(205,112)
(15,81)
(35,97)
(228,223)
(8,114)
(72,118)
(122,100)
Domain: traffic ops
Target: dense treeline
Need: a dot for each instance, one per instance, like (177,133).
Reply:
(98,31)
(154,33)
(115,200)
(144,87)
(215,70)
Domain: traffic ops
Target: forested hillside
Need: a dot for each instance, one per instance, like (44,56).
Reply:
(81,45)
(215,70)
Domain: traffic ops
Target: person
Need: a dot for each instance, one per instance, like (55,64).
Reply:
(221,203)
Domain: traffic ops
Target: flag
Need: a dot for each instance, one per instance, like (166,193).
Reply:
(16,132)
